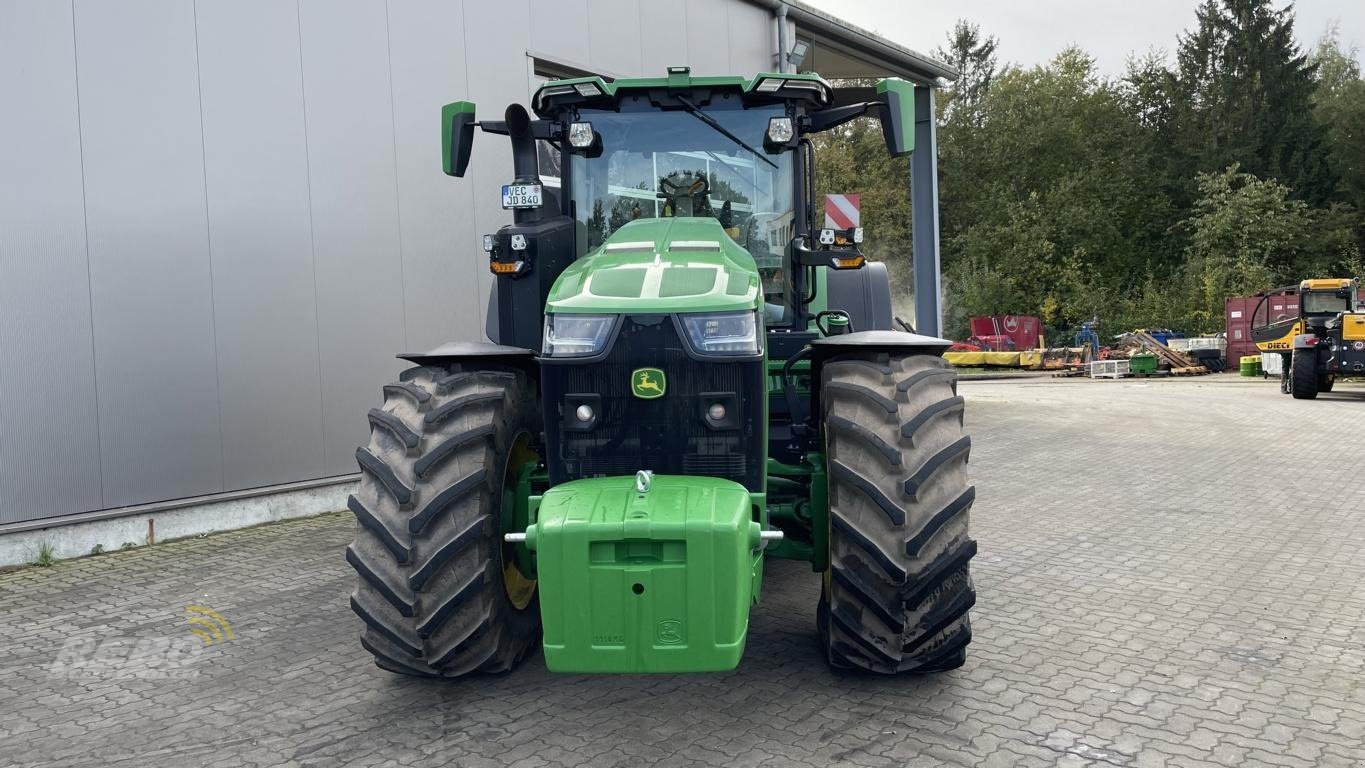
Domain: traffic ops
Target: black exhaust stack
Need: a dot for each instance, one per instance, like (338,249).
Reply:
(529,253)
(525,165)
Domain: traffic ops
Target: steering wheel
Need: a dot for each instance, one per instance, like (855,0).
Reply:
(685,192)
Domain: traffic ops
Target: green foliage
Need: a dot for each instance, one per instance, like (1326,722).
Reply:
(1147,200)
(1339,105)
(1246,236)
(972,54)
(1052,190)
(1244,94)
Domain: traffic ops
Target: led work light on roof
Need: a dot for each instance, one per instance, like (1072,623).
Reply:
(769,84)
(588,89)
(555,90)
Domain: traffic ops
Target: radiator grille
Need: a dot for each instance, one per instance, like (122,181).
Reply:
(667,435)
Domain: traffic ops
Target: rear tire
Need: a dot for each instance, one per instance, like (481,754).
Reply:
(1303,374)
(433,590)
(898,589)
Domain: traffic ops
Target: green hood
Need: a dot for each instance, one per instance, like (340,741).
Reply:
(685,264)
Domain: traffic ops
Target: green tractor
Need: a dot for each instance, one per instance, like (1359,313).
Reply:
(655,414)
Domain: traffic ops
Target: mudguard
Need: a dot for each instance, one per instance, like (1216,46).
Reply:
(898,342)
(476,351)
(889,342)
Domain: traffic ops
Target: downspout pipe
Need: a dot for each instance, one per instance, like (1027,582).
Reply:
(782,46)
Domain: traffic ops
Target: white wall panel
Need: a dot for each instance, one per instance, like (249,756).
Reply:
(355,214)
(559,28)
(708,37)
(616,46)
(497,36)
(149,260)
(663,36)
(753,34)
(49,435)
(256,166)
(442,300)
(220,219)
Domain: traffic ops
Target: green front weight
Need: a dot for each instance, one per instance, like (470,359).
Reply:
(645,581)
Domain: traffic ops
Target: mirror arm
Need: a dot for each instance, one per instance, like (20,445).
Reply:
(833,118)
(540,129)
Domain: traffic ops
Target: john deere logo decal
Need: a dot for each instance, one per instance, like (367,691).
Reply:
(647,383)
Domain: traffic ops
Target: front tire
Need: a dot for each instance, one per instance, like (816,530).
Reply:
(898,589)
(1303,374)
(437,591)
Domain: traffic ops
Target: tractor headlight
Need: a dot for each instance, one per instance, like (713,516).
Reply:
(570,335)
(723,333)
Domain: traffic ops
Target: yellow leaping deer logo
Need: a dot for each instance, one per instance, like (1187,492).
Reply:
(648,383)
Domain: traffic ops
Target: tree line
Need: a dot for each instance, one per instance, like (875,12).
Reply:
(1233,167)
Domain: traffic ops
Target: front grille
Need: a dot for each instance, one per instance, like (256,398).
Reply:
(667,435)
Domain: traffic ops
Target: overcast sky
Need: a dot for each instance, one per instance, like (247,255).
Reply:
(1110,30)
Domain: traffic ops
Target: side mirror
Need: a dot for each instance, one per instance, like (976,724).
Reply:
(898,115)
(457,137)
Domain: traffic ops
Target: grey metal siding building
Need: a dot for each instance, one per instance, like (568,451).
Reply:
(220,220)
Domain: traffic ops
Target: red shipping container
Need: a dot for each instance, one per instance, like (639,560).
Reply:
(1024,330)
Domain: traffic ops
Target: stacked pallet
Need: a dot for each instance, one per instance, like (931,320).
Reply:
(1179,363)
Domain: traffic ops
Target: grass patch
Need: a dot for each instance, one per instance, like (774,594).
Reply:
(46,557)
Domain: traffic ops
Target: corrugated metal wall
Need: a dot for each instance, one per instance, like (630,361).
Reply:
(219,220)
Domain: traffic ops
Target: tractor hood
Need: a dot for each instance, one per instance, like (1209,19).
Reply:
(686,264)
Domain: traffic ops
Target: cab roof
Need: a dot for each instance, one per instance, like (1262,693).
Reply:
(1327,284)
(602,92)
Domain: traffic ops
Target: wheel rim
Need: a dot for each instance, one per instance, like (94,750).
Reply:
(519,585)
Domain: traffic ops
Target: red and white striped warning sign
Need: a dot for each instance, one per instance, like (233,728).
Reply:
(841,211)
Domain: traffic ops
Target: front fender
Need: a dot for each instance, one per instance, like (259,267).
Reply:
(477,352)
(898,342)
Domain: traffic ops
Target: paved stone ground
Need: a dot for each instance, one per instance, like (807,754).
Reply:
(1170,573)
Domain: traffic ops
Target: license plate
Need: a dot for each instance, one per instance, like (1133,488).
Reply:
(521,196)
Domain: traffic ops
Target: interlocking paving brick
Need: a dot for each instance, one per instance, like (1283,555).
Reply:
(1169,574)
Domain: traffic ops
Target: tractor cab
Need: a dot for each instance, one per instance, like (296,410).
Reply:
(729,150)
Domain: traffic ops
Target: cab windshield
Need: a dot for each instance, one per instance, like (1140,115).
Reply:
(1324,303)
(659,164)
